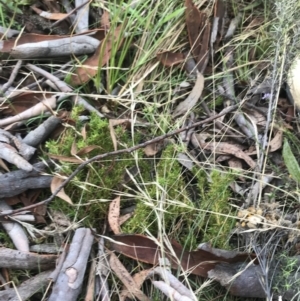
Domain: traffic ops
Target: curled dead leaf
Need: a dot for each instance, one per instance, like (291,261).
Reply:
(192,99)
(169,59)
(114,215)
(126,278)
(56,182)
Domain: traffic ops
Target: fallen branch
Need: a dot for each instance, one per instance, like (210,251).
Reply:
(14,259)
(70,278)
(27,288)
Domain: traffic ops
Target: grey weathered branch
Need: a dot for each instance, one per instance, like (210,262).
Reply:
(27,288)
(70,279)
(16,182)
(75,45)
(13,259)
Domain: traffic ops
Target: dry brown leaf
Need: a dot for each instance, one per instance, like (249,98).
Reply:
(83,151)
(100,58)
(73,149)
(169,58)
(235,163)
(125,218)
(203,56)
(192,99)
(199,262)
(194,23)
(20,102)
(50,16)
(139,279)
(219,9)
(126,278)
(88,149)
(112,124)
(105,23)
(199,32)
(222,148)
(257,117)
(227,148)
(276,142)
(56,182)
(152,149)
(39,108)
(83,132)
(114,215)
(66,159)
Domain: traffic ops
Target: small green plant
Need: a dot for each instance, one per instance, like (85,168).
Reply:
(287,271)
(166,203)
(93,188)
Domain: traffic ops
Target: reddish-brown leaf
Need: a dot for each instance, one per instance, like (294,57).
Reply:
(22,101)
(199,30)
(203,55)
(100,58)
(105,23)
(142,248)
(219,9)
(169,58)
(194,21)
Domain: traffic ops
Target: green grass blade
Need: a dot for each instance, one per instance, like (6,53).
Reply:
(290,161)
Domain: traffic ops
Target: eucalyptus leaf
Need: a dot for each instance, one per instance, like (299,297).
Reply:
(290,161)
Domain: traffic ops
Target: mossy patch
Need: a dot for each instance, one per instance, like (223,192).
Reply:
(161,192)
(166,204)
(216,223)
(94,187)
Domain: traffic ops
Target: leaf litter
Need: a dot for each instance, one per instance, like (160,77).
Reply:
(105,71)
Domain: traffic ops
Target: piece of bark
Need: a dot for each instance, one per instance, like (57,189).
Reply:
(82,16)
(15,151)
(69,282)
(8,33)
(13,259)
(15,182)
(15,231)
(27,288)
(76,45)
(15,187)
(46,248)
(103,270)
(38,135)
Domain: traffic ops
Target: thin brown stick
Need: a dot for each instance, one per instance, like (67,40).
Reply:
(118,152)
